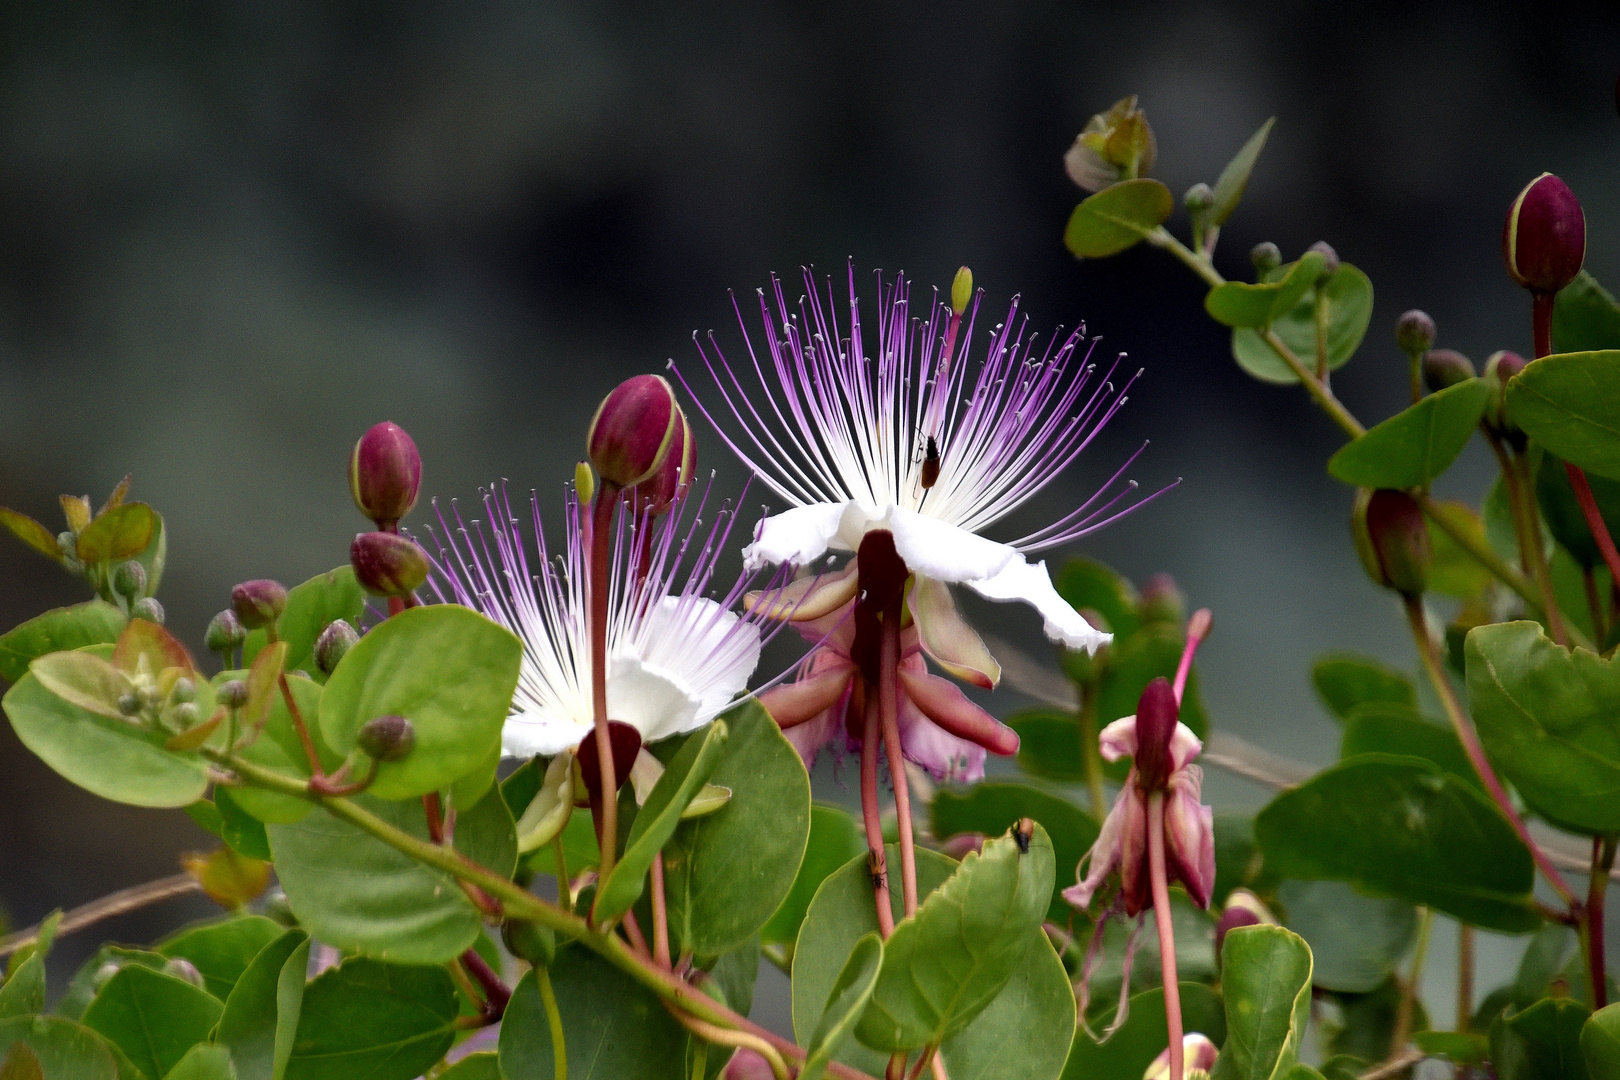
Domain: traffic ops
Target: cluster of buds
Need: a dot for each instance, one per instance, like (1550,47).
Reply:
(385,475)
(640,442)
(117,550)
(1392,539)
(149,682)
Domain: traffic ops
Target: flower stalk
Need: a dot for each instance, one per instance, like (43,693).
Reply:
(1602,862)
(607,807)
(1167,934)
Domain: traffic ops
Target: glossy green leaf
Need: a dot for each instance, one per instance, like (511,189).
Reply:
(152,1017)
(1345,680)
(835,838)
(1413,447)
(848,1000)
(261,1015)
(945,964)
(615,1029)
(1238,861)
(121,533)
(1546,717)
(31,533)
(84,680)
(1236,303)
(311,607)
(448,670)
(94,622)
(481,1066)
(1117,218)
(726,873)
(1355,940)
(1350,301)
(1570,404)
(1088,584)
(1600,1043)
(81,989)
(24,991)
(1049,743)
(243,832)
(279,748)
(1541,1043)
(204,1062)
(1379,727)
(1585,317)
(1144,1035)
(657,820)
(1405,828)
(373,1019)
(1266,979)
(221,949)
(1452,570)
(1563,515)
(1234,179)
(66,1050)
(992,808)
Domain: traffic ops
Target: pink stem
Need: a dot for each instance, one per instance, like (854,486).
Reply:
(1594,520)
(1197,630)
(876,862)
(1167,934)
(607,822)
(888,711)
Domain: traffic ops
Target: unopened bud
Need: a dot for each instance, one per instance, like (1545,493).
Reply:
(1156,716)
(258,603)
(961,290)
(386,738)
(385,473)
(530,941)
(1392,539)
(225,632)
(632,430)
(1115,145)
(129,704)
(1161,600)
(185,715)
(1243,908)
(333,644)
(748,1064)
(184,970)
(584,482)
(1197,1052)
(1266,257)
(388,564)
(104,974)
(148,608)
(232,694)
(656,494)
(1414,332)
(184,690)
(68,543)
(1330,260)
(1198,199)
(1445,367)
(1499,368)
(129,580)
(1544,236)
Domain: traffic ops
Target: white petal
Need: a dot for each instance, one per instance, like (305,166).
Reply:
(1029,582)
(1118,740)
(940,550)
(648,699)
(700,646)
(799,536)
(536,731)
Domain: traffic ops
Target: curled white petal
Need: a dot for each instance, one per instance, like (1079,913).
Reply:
(1022,580)
(799,536)
(943,551)
(540,731)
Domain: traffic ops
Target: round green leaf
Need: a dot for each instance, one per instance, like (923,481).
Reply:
(848,1000)
(1570,404)
(1403,827)
(835,839)
(1117,217)
(1049,744)
(1355,940)
(204,1061)
(1087,583)
(615,1029)
(66,1050)
(1350,299)
(373,1019)
(1413,447)
(121,533)
(1381,727)
(1600,1043)
(311,607)
(1237,303)
(1541,1043)
(991,809)
(154,1018)
(261,1015)
(1266,980)
(1452,570)
(94,622)
(1144,1035)
(446,669)
(81,989)
(1585,317)
(221,949)
(1345,680)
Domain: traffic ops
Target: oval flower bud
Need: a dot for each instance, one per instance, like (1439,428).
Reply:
(129,580)
(1499,368)
(258,603)
(961,290)
(225,632)
(148,608)
(656,494)
(1544,236)
(1197,1052)
(232,694)
(388,564)
(1392,539)
(385,473)
(1156,717)
(632,430)
(386,738)
(1330,260)
(1266,257)
(1445,367)
(333,644)
(1414,332)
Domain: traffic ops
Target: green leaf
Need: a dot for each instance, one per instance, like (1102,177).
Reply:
(446,669)
(121,533)
(84,680)
(1144,1035)
(244,833)
(204,1062)
(1087,583)
(261,1015)
(106,757)
(152,1017)
(1355,940)
(40,946)
(221,949)
(1413,447)
(81,989)
(1049,743)
(482,1066)
(31,533)
(657,820)
(991,809)
(1546,717)
(94,622)
(1585,317)
(1541,1043)
(1461,1047)
(311,607)
(1350,300)
(1117,218)
(373,1019)
(1020,1036)
(1238,862)
(155,556)
(1235,177)
(835,838)
(1403,827)
(615,1029)
(1570,404)
(279,748)
(1266,978)
(1345,680)
(726,873)
(945,964)
(66,1050)
(1236,303)
(24,991)
(1380,727)
(1563,515)
(1600,1043)
(21,1063)
(1452,570)
(848,1000)
(579,849)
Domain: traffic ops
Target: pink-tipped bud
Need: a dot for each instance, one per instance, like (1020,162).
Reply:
(334,644)
(1197,1052)
(1414,332)
(747,1064)
(1393,540)
(1445,367)
(632,431)
(1201,623)
(1156,717)
(1243,908)
(258,603)
(626,743)
(385,473)
(388,564)
(1499,368)
(1544,236)
(225,632)
(656,494)
(1330,260)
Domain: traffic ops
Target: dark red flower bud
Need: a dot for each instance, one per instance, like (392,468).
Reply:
(626,743)
(632,430)
(258,603)
(1544,237)
(388,564)
(656,494)
(386,738)
(1445,367)
(1156,717)
(385,473)
(1501,367)
(1414,332)
(1392,539)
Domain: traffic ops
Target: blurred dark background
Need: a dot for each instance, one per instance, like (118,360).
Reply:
(232,236)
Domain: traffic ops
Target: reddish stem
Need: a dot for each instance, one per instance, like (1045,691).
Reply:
(632,930)
(1541,313)
(607,821)
(889,712)
(876,862)
(496,993)
(659,913)
(1602,863)
(1594,519)
(434,812)
(1167,933)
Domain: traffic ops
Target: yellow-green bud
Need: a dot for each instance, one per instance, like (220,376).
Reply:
(961,290)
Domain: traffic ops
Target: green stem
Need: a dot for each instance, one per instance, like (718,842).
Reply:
(1409,992)
(1322,306)
(559,1044)
(1537,556)
(565,887)
(1198,264)
(1090,754)
(1602,863)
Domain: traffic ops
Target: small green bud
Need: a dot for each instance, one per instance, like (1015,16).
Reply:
(225,632)
(961,290)
(69,544)
(387,738)
(278,909)
(259,603)
(1392,539)
(1198,199)
(129,580)
(184,690)
(185,715)
(530,941)
(1414,332)
(1330,261)
(333,644)
(1445,367)
(232,694)
(129,704)
(148,608)
(185,970)
(1266,257)
(584,482)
